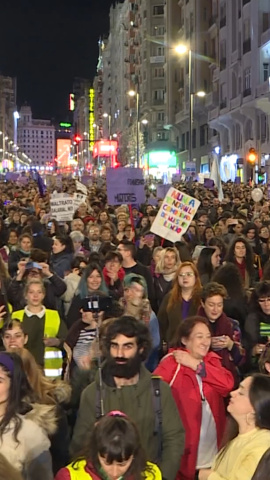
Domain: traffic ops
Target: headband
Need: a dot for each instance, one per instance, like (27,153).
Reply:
(116,413)
(7,361)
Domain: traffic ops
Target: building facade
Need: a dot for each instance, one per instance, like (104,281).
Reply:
(239,103)
(36,138)
(8,93)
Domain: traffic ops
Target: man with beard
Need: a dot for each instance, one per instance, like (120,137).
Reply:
(127,386)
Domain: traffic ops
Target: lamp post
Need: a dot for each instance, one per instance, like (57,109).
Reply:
(182,50)
(136,94)
(108,115)
(16,117)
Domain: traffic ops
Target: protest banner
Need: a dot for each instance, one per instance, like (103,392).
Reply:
(12,176)
(176,177)
(125,185)
(81,188)
(78,199)
(62,207)
(162,190)
(22,180)
(175,214)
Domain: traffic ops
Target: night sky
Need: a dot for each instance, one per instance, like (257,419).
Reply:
(45,44)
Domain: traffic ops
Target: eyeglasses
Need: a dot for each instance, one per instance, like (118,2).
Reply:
(264,300)
(187,274)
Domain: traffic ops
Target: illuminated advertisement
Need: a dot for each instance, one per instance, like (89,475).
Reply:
(91,119)
(105,148)
(63,146)
(162,159)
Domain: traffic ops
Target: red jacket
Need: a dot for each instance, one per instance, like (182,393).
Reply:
(217,384)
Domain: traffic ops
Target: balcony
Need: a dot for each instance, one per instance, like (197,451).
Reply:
(246,46)
(213,114)
(211,100)
(223,104)
(157,59)
(263,89)
(235,102)
(222,22)
(216,74)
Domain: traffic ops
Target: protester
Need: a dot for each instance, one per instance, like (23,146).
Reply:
(248,434)
(165,272)
(128,385)
(62,255)
(208,262)
(23,439)
(180,302)
(44,328)
(13,335)
(23,252)
(240,253)
(114,452)
(199,385)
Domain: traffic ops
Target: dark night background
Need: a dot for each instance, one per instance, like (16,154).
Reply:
(45,44)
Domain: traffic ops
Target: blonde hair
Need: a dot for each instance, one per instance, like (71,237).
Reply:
(34,281)
(160,263)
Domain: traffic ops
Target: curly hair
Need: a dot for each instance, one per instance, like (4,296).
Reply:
(130,327)
(230,257)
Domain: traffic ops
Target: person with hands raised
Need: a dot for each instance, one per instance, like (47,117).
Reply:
(199,385)
(55,287)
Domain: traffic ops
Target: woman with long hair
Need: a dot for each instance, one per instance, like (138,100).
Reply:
(208,262)
(250,232)
(164,273)
(92,281)
(23,438)
(240,253)
(180,302)
(57,394)
(199,385)
(248,433)
(114,452)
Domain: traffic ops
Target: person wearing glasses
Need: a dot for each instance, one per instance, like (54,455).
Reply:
(180,302)
(257,324)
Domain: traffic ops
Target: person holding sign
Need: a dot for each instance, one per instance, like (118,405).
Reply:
(180,302)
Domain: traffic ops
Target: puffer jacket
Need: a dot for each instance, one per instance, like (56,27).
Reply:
(30,453)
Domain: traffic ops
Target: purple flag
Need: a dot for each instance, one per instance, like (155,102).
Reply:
(208,183)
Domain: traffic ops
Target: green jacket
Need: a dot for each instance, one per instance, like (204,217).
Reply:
(136,401)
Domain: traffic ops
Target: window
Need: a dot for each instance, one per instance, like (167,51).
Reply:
(159,72)
(160,51)
(158,10)
(159,30)
(159,94)
(266,71)
(247,78)
(161,116)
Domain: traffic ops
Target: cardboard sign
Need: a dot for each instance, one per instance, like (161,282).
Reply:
(86,180)
(125,185)
(62,207)
(81,188)
(175,214)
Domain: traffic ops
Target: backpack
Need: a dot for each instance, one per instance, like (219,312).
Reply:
(156,396)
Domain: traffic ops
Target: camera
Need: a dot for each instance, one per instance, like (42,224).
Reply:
(96,304)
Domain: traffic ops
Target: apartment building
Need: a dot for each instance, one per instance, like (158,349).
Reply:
(8,93)
(36,138)
(239,103)
(186,23)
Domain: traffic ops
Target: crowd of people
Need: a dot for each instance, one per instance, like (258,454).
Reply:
(125,356)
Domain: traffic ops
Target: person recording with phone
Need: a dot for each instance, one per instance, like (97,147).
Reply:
(23,251)
(26,269)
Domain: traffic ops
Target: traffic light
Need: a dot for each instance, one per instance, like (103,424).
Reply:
(252,156)
(261,176)
(77,138)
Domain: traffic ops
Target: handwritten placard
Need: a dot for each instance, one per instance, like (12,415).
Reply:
(175,214)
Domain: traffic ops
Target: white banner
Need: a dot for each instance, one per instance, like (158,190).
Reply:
(62,207)
(80,187)
(78,199)
(175,215)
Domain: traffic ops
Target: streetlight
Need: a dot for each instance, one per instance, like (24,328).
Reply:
(182,50)
(133,93)
(16,117)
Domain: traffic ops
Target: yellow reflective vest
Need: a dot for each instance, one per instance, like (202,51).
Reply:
(79,473)
(53,359)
